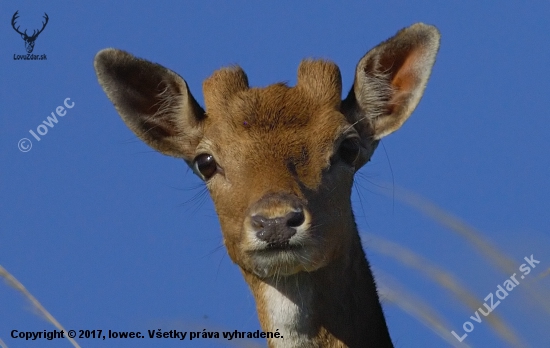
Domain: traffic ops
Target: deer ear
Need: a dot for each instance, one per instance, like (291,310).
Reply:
(154,102)
(390,80)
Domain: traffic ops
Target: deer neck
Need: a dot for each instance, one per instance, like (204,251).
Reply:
(335,306)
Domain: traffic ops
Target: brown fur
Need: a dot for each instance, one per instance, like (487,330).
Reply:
(278,151)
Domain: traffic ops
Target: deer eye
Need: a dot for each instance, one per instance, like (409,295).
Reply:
(349,150)
(205,165)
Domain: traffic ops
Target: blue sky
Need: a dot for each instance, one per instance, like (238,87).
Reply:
(106,234)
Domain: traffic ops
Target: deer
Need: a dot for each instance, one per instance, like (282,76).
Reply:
(279,164)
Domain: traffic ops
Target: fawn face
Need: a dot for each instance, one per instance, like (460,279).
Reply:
(279,164)
(278,161)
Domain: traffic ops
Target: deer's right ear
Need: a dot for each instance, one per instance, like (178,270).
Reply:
(154,102)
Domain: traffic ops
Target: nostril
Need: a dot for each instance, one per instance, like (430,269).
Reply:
(258,222)
(295,218)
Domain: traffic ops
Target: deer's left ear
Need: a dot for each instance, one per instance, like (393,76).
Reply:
(390,80)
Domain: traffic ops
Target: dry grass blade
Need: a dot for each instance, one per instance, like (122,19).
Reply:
(390,290)
(444,279)
(499,259)
(19,287)
(474,237)
(544,274)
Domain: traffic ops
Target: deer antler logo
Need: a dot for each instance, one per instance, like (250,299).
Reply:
(29,40)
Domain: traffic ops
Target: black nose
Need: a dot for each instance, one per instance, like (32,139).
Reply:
(276,232)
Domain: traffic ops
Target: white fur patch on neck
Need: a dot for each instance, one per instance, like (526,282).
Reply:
(292,320)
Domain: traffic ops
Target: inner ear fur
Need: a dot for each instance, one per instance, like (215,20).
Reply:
(154,102)
(390,80)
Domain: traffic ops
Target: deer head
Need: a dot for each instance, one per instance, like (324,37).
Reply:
(279,161)
(29,40)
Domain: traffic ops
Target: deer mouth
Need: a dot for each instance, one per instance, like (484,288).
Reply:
(282,246)
(284,259)
(284,249)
